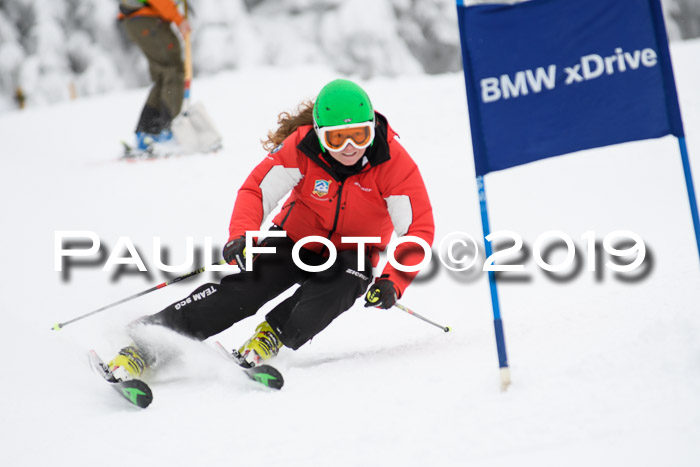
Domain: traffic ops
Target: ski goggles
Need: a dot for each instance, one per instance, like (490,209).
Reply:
(335,138)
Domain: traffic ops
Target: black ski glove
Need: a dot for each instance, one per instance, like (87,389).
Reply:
(234,252)
(382,294)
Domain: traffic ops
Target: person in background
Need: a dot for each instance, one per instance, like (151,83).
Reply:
(148,24)
(349,177)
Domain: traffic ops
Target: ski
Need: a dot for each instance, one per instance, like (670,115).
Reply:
(133,154)
(134,390)
(264,374)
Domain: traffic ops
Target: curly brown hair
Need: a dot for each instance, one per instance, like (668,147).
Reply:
(288,123)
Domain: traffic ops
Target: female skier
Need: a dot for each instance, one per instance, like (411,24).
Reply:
(349,177)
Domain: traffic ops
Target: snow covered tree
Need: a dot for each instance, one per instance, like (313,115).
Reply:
(55,49)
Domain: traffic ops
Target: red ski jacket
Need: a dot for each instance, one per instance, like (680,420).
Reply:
(387,195)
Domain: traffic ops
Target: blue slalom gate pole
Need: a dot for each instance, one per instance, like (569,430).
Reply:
(691,189)
(497,322)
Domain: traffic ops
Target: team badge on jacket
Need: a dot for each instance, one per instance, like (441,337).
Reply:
(321,187)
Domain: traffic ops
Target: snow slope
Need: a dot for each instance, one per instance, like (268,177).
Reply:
(604,371)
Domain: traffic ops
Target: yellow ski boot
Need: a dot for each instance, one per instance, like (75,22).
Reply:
(264,345)
(128,364)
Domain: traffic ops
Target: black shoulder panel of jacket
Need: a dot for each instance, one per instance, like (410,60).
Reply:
(378,152)
(311,146)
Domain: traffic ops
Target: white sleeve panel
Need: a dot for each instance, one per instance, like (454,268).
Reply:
(277,183)
(399,207)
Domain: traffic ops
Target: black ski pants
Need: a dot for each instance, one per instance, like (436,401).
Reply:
(320,298)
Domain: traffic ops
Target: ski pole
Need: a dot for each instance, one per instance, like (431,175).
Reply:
(58,326)
(413,313)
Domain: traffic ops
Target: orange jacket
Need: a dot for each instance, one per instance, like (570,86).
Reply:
(165,9)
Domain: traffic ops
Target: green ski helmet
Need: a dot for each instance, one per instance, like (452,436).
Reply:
(342,102)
